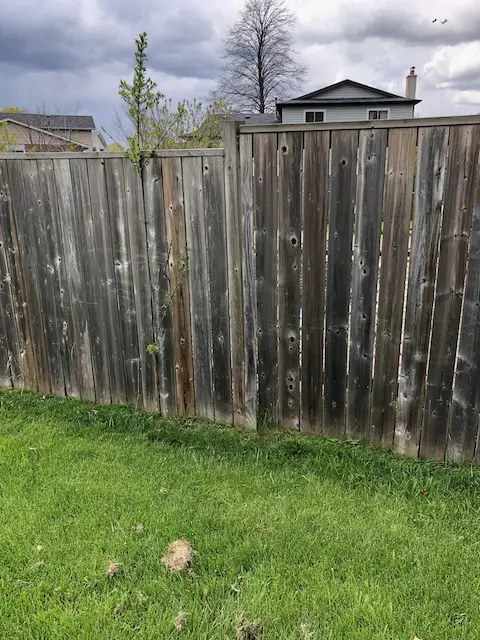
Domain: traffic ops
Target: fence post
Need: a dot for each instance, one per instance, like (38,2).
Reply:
(233,213)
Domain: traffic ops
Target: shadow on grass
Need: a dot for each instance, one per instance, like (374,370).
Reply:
(353,463)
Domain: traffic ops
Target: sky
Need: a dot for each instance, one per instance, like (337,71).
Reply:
(69,55)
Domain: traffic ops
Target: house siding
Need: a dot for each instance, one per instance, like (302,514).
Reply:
(350,113)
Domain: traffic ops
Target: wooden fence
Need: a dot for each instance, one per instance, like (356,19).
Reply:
(327,276)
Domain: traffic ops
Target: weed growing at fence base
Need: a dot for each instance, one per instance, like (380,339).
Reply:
(290,533)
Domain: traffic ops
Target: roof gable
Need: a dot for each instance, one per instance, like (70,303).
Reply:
(348,89)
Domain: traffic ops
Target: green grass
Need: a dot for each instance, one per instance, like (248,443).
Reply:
(353,542)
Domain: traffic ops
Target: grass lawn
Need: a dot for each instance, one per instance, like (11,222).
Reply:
(312,538)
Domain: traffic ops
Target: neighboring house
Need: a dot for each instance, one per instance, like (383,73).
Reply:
(350,101)
(38,132)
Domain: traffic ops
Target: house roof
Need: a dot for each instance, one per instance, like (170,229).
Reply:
(54,122)
(254,118)
(49,134)
(319,97)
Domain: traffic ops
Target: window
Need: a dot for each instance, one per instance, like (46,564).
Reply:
(378,114)
(314,116)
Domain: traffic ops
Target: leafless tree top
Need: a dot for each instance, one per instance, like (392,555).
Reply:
(260,63)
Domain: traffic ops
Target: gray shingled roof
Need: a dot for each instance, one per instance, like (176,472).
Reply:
(254,118)
(54,122)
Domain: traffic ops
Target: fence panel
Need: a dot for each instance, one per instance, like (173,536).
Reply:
(207,285)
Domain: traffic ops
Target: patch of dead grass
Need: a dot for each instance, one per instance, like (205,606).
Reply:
(179,556)
(114,569)
(180,621)
(248,630)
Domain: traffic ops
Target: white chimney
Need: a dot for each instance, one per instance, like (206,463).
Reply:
(411,84)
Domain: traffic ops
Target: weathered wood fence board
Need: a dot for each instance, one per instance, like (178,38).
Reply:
(206,284)
(235,275)
(466,392)
(289,269)
(24,185)
(110,381)
(199,288)
(16,351)
(342,204)
(457,218)
(397,214)
(432,156)
(179,295)
(216,230)
(266,231)
(141,284)
(248,273)
(368,218)
(158,256)
(92,363)
(315,213)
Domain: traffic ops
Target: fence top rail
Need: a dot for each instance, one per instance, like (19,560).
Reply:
(366,124)
(161,153)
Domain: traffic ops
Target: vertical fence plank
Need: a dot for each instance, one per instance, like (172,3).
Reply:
(316,175)
(109,332)
(93,334)
(77,366)
(141,284)
(235,277)
(50,267)
(214,198)
(266,211)
(248,270)
(6,320)
(13,362)
(123,274)
(368,220)
(397,213)
(158,255)
(342,200)
(290,227)
(457,217)
(179,292)
(199,294)
(432,151)
(466,392)
(25,187)
(66,330)
(27,375)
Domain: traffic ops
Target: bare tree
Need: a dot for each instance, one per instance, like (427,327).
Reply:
(260,63)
